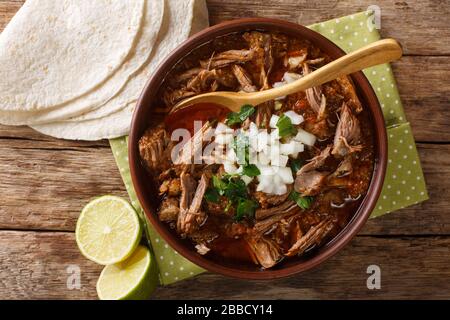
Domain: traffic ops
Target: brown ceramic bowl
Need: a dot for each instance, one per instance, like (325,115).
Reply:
(146,191)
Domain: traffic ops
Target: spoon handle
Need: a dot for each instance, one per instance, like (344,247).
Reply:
(378,52)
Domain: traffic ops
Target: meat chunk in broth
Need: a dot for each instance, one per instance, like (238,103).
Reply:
(348,134)
(309,180)
(153,148)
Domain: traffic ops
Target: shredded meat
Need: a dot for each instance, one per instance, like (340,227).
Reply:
(191,151)
(267,200)
(243,78)
(154,149)
(262,60)
(172,97)
(345,168)
(316,99)
(188,186)
(267,225)
(226,58)
(170,187)
(264,251)
(185,76)
(169,210)
(284,207)
(348,134)
(309,180)
(263,114)
(314,236)
(350,93)
(191,217)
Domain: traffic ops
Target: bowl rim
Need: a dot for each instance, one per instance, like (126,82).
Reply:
(362,86)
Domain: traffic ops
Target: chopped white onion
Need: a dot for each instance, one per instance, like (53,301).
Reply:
(247,179)
(296,119)
(294,62)
(305,137)
(265,184)
(265,170)
(290,77)
(279,189)
(263,140)
(266,151)
(230,167)
(279,160)
(274,151)
(286,175)
(223,128)
(253,130)
(275,136)
(287,148)
(273,121)
(231,155)
(222,138)
(278,105)
(263,159)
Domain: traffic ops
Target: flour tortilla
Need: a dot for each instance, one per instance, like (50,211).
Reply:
(55,51)
(171,35)
(152,20)
(179,17)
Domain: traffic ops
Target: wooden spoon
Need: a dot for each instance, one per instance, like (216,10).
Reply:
(378,52)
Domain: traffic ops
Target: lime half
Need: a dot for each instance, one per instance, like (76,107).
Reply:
(132,279)
(108,230)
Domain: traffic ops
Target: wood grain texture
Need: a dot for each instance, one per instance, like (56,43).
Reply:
(35,265)
(410,268)
(413,23)
(44,186)
(44,182)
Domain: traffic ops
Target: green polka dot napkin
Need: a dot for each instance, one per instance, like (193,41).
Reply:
(404,184)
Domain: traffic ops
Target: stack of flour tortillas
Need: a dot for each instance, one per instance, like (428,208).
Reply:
(74,69)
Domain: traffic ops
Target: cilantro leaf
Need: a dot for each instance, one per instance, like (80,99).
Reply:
(235,190)
(212,195)
(245,207)
(219,184)
(302,202)
(239,117)
(251,170)
(296,165)
(285,126)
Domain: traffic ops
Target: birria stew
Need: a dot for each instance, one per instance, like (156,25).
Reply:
(271,181)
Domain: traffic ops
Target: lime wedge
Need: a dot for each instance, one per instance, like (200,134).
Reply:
(108,230)
(132,279)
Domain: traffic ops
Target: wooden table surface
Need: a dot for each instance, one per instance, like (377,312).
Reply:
(44,183)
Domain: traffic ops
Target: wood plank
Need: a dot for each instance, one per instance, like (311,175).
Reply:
(33,265)
(423,85)
(26,133)
(411,22)
(45,188)
(411,268)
